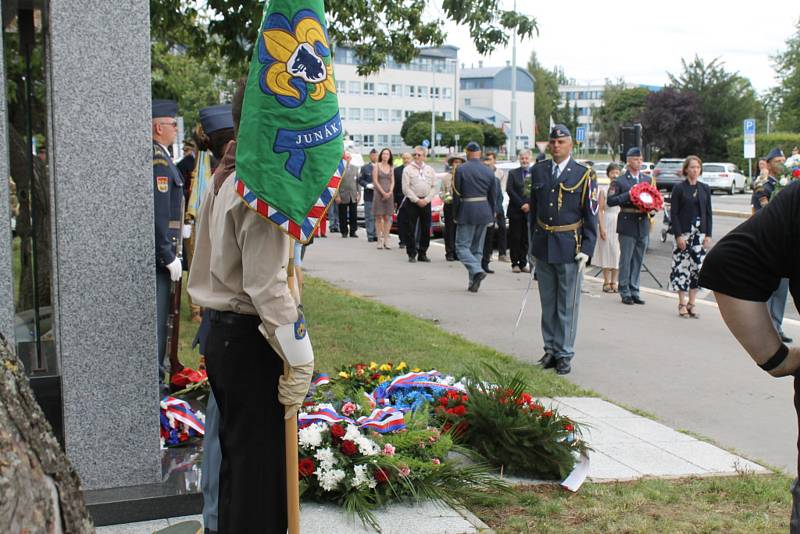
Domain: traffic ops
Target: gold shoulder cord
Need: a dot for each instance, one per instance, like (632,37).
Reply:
(581,183)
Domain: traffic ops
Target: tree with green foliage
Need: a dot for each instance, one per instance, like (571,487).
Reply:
(376,30)
(620,105)
(545,105)
(726,99)
(423,117)
(467,132)
(493,136)
(178,76)
(673,121)
(787,65)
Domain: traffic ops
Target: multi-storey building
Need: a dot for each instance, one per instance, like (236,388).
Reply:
(374,107)
(486,97)
(587,99)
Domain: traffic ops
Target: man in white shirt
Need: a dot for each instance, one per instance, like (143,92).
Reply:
(419,188)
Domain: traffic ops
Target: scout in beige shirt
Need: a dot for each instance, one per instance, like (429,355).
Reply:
(419,187)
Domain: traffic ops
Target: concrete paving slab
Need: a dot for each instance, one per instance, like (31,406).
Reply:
(595,406)
(423,518)
(711,458)
(647,429)
(603,468)
(142,527)
(598,433)
(650,460)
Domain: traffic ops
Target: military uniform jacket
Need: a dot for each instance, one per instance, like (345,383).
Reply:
(763,189)
(168,206)
(348,189)
(562,202)
(518,193)
(630,221)
(475,193)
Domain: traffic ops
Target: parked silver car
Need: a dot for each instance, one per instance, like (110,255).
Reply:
(723,177)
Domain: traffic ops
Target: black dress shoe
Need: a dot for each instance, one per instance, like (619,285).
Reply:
(547,361)
(450,258)
(562,366)
(412,259)
(372,239)
(344,235)
(785,338)
(487,270)
(424,258)
(353,235)
(476,282)
(637,300)
(627,300)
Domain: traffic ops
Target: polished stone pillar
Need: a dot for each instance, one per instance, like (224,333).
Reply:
(103,243)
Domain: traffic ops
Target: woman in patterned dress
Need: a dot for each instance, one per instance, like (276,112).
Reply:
(690,212)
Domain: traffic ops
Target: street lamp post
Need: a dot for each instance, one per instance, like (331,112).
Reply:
(513,148)
(433,110)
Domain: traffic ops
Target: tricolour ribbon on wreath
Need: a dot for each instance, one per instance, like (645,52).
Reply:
(382,420)
(421,379)
(180,411)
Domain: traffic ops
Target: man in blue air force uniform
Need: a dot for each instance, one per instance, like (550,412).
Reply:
(633,227)
(563,211)
(168,204)
(474,205)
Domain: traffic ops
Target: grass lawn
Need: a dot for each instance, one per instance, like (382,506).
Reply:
(349,329)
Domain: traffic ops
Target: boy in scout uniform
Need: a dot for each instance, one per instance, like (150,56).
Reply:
(563,211)
(168,207)
(239,277)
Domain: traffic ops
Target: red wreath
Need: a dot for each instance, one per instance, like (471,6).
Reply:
(646,197)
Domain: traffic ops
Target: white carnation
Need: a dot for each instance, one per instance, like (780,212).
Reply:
(352,434)
(326,458)
(311,436)
(367,446)
(329,479)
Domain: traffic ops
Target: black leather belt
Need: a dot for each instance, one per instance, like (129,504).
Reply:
(234,319)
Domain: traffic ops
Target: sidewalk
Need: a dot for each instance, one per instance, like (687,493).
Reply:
(690,374)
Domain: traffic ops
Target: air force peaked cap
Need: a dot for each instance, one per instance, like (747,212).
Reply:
(215,118)
(164,108)
(472,146)
(634,152)
(559,131)
(775,153)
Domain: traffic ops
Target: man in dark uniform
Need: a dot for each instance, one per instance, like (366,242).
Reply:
(365,181)
(518,188)
(399,196)
(474,204)
(633,228)
(762,194)
(168,205)
(563,210)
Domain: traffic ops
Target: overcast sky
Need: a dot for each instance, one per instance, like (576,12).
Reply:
(594,40)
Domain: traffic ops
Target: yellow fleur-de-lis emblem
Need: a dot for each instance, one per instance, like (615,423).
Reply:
(297,59)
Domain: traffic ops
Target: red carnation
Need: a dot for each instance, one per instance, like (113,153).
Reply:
(381,475)
(306,467)
(459,411)
(337,431)
(568,427)
(375,376)
(464,398)
(796,172)
(349,448)
(548,413)
(646,197)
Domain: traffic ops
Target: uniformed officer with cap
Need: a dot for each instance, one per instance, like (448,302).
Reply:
(633,227)
(168,203)
(474,205)
(762,194)
(563,211)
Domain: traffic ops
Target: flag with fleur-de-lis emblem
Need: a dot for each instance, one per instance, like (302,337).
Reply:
(290,140)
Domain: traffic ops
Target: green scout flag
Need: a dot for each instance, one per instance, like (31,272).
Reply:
(290,141)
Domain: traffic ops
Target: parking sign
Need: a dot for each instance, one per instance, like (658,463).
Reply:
(749,138)
(580,134)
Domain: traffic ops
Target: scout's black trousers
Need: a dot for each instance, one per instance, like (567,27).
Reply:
(348,218)
(243,370)
(414,214)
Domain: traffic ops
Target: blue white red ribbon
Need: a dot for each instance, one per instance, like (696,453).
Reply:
(320,379)
(423,379)
(382,420)
(182,412)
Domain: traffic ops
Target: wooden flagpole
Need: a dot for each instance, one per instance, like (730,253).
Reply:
(292,470)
